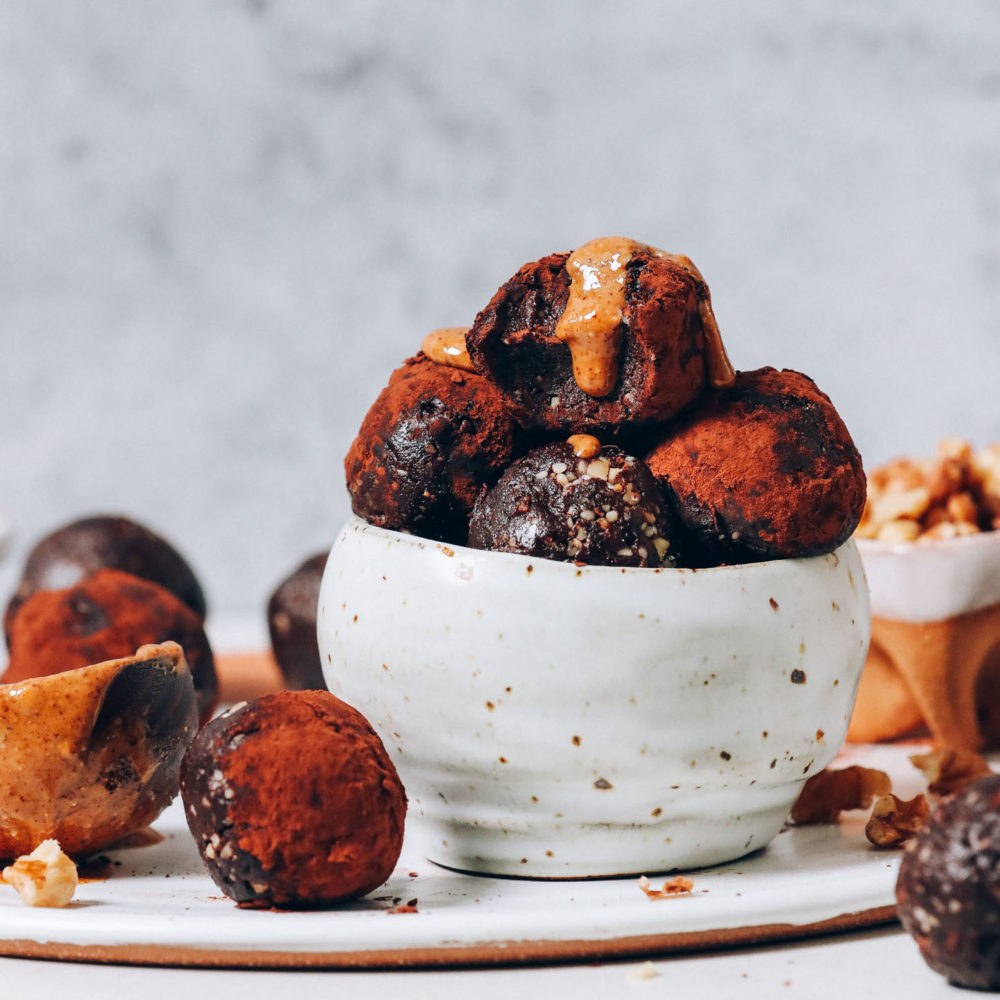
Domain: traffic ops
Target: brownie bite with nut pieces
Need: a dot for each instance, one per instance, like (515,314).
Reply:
(577,501)
(293,802)
(765,469)
(615,333)
(433,437)
(948,890)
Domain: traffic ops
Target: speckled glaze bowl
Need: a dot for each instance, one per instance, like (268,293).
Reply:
(551,720)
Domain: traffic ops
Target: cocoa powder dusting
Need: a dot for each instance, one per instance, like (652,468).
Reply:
(309,836)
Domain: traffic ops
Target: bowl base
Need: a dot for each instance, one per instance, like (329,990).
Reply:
(598,851)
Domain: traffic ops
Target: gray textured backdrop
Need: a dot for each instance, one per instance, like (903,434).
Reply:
(223,223)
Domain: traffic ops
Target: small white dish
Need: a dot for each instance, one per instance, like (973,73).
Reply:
(562,721)
(928,581)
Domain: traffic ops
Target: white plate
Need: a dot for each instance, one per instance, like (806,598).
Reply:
(159,906)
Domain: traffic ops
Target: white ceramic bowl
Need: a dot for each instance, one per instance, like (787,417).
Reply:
(934,661)
(551,720)
(932,580)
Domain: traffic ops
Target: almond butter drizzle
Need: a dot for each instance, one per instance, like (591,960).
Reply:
(591,324)
(447,347)
(52,771)
(584,445)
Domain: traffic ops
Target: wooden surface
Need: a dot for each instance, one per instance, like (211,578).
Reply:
(246,675)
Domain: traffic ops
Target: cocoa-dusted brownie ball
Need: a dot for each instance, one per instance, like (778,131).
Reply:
(104,617)
(763,470)
(615,333)
(291,621)
(81,548)
(433,437)
(293,801)
(577,501)
(948,888)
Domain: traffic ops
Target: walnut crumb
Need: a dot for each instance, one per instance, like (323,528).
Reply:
(825,795)
(894,821)
(921,499)
(949,770)
(45,877)
(408,907)
(679,885)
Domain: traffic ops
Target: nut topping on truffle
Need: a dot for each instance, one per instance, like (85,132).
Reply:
(605,510)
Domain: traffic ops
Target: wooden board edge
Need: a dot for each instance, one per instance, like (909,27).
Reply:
(483,954)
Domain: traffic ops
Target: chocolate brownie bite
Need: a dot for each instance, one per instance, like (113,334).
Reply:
(763,470)
(80,548)
(104,617)
(291,621)
(432,438)
(293,802)
(948,890)
(577,501)
(615,333)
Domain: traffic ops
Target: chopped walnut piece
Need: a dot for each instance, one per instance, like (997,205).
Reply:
(894,820)
(825,795)
(956,493)
(950,529)
(899,530)
(45,877)
(949,770)
(676,886)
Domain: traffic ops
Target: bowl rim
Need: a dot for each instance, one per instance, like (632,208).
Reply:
(878,547)
(360,525)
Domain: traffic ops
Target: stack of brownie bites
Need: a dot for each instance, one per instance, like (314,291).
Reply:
(591,414)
